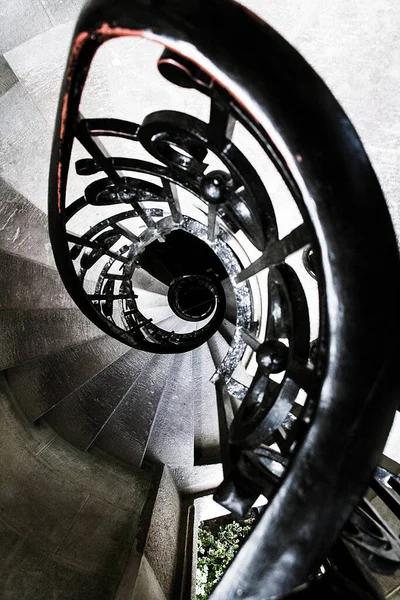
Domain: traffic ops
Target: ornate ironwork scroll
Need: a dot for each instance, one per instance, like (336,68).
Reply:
(308,430)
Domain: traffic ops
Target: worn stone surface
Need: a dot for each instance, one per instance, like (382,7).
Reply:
(201,478)
(161,548)
(23,227)
(206,429)
(88,526)
(145,281)
(147,586)
(7,76)
(61,11)
(23,576)
(43,382)
(82,415)
(126,432)
(67,519)
(25,284)
(45,331)
(39,65)
(21,20)
(171,439)
(25,145)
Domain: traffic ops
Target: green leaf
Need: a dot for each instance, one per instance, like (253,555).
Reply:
(218,542)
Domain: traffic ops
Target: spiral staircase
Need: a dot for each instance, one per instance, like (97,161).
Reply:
(188,347)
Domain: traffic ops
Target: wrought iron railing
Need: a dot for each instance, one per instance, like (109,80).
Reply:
(312,460)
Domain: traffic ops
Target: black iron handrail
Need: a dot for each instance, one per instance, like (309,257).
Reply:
(332,452)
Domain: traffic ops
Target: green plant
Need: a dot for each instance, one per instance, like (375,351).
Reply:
(218,542)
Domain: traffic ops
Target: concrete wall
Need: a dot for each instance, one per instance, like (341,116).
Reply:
(67,519)
(164,539)
(147,586)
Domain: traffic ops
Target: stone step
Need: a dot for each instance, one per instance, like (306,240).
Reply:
(41,383)
(29,334)
(144,281)
(25,284)
(30,18)
(171,440)
(126,432)
(68,519)
(25,145)
(24,229)
(206,433)
(155,568)
(39,65)
(81,415)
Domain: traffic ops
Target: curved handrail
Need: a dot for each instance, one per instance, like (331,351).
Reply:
(305,131)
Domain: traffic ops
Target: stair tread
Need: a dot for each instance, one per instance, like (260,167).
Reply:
(41,383)
(206,430)
(29,136)
(125,435)
(143,280)
(80,416)
(24,229)
(150,299)
(26,284)
(25,335)
(171,439)
(158,313)
(39,63)
(50,501)
(174,323)
(32,18)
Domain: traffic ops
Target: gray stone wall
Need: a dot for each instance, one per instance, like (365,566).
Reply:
(163,539)
(67,519)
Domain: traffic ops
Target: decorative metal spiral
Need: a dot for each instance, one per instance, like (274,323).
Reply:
(295,429)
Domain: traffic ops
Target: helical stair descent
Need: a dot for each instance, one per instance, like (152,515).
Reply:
(215,324)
